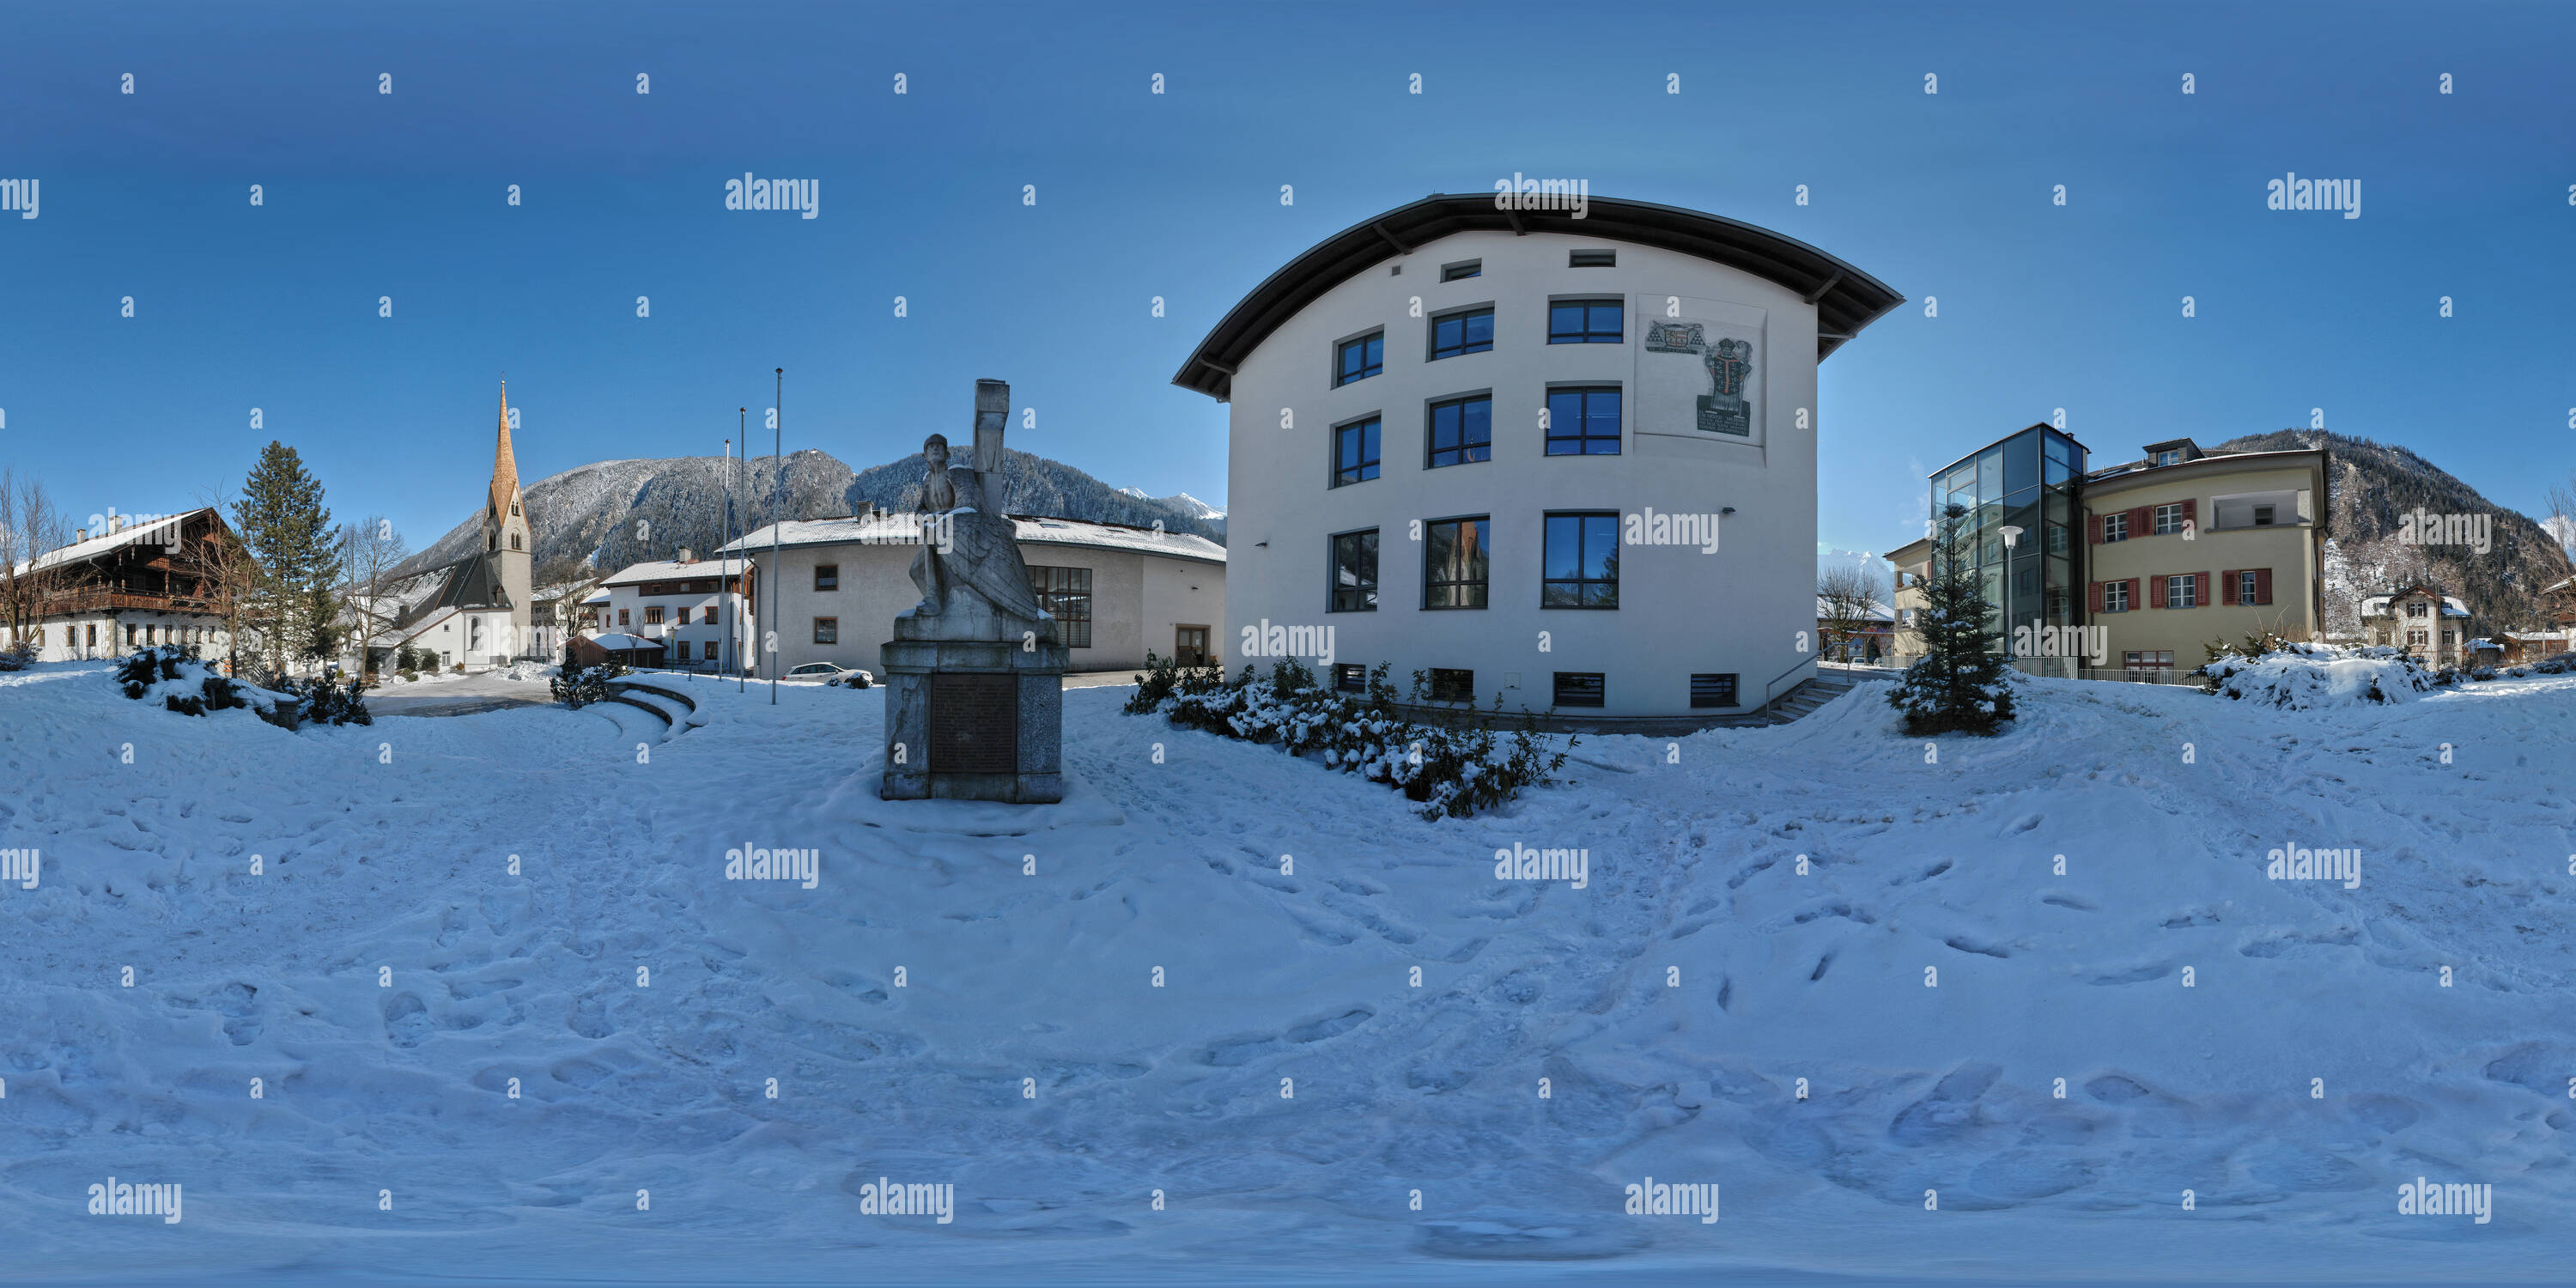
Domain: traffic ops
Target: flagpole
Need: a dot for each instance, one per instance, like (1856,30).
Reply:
(777,508)
(741,428)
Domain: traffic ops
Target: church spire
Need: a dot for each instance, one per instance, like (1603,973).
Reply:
(505,466)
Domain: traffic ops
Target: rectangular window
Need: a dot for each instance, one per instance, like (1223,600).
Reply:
(1579,688)
(2056,538)
(1355,452)
(1452,686)
(1360,359)
(1583,422)
(2056,601)
(1583,322)
(2417,638)
(1591,259)
(2115,596)
(1713,690)
(2262,516)
(1066,595)
(1350,677)
(682,655)
(2168,520)
(684,615)
(1462,270)
(2179,589)
(1462,430)
(827,630)
(2115,527)
(827,576)
(2249,587)
(1580,567)
(1355,572)
(1454,563)
(2172,456)
(653,614)
(2417,610)
(1457,333)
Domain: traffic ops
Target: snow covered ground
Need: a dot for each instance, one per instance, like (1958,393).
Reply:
(933,1013)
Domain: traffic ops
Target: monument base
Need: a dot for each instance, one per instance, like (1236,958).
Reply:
(973,720)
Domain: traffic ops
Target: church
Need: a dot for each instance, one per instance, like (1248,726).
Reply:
(481,614)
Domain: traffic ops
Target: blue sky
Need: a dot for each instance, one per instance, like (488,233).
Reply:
(369,195)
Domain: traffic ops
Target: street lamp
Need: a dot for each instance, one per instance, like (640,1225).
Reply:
(2012,537)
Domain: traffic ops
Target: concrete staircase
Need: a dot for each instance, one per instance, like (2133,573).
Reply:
(1807,697)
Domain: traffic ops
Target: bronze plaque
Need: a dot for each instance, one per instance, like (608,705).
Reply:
(974,724)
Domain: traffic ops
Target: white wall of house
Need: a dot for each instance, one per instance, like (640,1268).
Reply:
(713,617)
(1742,610)
(82,636)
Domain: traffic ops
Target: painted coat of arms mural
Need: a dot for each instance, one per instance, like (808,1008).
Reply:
(1724,403)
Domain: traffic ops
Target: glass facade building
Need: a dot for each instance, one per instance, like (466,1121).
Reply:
(2033,481)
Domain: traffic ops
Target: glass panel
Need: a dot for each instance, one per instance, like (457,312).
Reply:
(1564,546)
(2021,465)
(1990,475)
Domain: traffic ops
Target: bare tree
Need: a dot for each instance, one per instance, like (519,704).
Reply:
(1848,599)
(369,551)
(233,577)
(31,525)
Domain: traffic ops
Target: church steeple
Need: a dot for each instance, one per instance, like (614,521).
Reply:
(505,466)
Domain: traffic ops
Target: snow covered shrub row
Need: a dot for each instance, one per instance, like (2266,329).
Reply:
(581,686)
(1447,769)
(175,674)
(322,702)
(18,656)
(2300,676)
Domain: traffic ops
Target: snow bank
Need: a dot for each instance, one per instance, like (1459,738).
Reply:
(528,671)
(2304,676)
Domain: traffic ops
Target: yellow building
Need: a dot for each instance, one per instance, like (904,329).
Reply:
(1910,564)
(2184,548)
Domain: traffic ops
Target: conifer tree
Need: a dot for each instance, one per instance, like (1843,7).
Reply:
(282,522)
(1959,685)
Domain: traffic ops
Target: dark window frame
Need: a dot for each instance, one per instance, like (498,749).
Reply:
(827,577)
(1065,592)
(1461,270)
(1462,452)
(1364,595)
(1707,695)
(1452,684)
(1592,259)
(1465,346)
(1583,442)
(1590,332)
(1483,586)
(1350,677)
(827,630)
(1342,374)
(1598,690)
(1362,470)
(1579,582)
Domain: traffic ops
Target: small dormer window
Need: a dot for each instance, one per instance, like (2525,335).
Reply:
(2262,516)
(2170,456)
(514,507)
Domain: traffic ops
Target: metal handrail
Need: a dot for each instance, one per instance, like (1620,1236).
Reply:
(1767,695)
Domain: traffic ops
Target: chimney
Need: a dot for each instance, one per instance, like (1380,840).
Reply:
(116,523)
(684,555)
(79,535)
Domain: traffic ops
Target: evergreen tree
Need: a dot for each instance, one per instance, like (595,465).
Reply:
(282,521)
(1959,685)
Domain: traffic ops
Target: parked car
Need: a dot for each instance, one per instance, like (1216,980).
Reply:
(830,674)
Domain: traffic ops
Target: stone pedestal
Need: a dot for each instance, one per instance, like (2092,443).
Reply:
(972,719)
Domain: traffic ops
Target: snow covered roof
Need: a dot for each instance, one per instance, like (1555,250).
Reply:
(412,630)
(889,528)
(665,570)
(618,640)
(161,531)
(1876,612)
(2377,605)
(596,597)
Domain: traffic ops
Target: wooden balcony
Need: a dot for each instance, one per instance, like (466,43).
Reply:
(94,601)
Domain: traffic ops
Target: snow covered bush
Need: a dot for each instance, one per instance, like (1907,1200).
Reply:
(2482,673)
(1454,768)
(2299,676)
(322,702)
(174,673)
(18,656)
(582,686)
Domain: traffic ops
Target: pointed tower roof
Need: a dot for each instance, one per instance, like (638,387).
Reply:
(505,465)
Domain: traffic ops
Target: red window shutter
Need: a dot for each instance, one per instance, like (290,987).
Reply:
(2156,591)
(2200,589)
(2096,590)
(2227,587)
(2191,511)
(2142,521)
(2096,521)
(2262,585)
(2135,588)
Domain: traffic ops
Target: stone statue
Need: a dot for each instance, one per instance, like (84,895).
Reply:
(967,545)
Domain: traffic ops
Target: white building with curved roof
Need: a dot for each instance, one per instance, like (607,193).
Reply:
(1562,461)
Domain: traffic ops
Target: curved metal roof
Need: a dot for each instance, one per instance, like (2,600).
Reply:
(1846,298)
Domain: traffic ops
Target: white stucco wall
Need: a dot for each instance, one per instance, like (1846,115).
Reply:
(1741,610)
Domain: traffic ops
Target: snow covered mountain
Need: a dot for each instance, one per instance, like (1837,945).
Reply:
(614,513)
(2370,485)
(1181,501)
